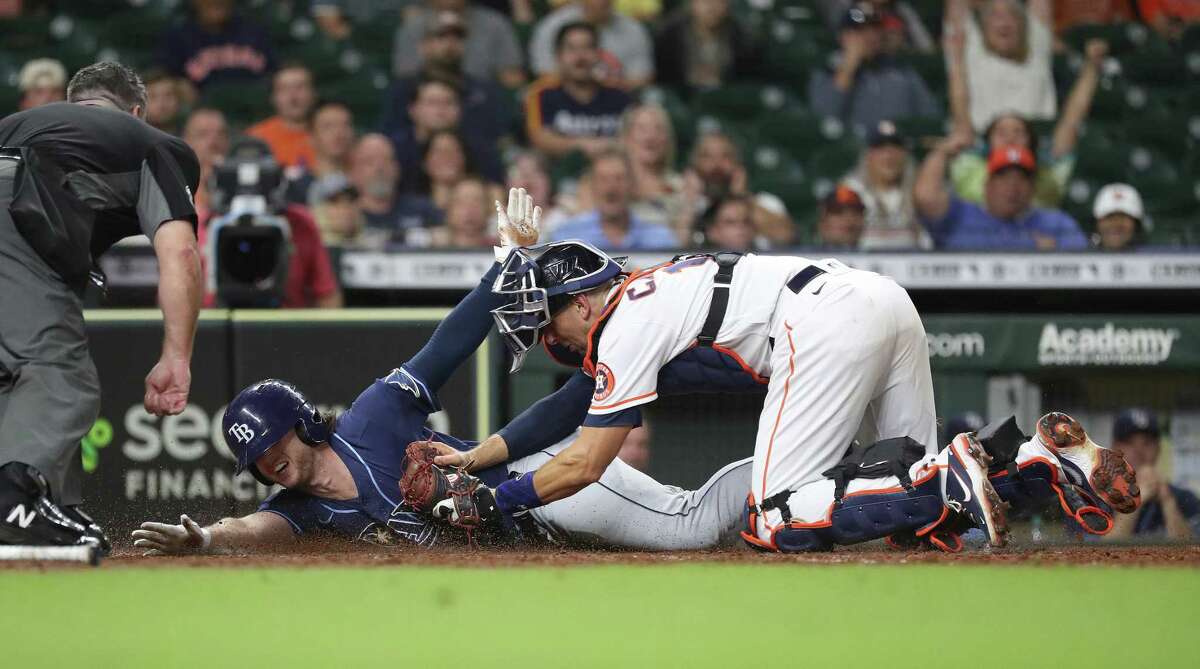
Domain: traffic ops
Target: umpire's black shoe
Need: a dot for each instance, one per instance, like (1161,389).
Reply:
(93,528)
(29,518)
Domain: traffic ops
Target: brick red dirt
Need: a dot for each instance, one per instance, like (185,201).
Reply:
(336,554)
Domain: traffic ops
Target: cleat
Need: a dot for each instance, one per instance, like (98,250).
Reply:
(1099,472)
(91,526)
(29,518)
(969,491)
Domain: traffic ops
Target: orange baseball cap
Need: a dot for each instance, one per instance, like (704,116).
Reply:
(843,197)
(1011,156)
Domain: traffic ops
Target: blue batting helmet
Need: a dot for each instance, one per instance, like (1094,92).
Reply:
(540,280)
(262,414)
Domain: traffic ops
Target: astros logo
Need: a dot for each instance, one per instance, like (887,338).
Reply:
(605,380)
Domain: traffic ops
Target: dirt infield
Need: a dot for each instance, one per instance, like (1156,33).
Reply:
(343,555)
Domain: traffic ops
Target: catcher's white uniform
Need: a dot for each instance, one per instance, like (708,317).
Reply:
(843,355)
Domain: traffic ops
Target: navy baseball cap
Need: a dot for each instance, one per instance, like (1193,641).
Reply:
(886,132)
(1134,420)
(860,15)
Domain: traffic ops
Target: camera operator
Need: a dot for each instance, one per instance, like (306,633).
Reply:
(246,265)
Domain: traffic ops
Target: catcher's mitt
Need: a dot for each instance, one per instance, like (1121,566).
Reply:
(453,496)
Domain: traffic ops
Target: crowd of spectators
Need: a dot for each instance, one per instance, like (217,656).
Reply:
(566,99)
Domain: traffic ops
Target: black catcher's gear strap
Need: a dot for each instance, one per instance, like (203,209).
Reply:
(889,457)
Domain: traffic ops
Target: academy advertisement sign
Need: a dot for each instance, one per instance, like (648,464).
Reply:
(139,467)
(1031,343)
(1105,345)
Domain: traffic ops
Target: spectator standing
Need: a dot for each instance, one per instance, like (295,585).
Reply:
(884,181)
(842,220)
(375,174)
(868,86)
(1007,218)
(468,217)
(436,107)
(486,108)
(293,97)
(573,111)
(716,171)
(41,81)
(164,101)
(331,127)
(207,133)
(1120,224)
(703,46)
(728,225)
(1167,511)
(612,224)
(216,44)
(1007,58)
(903,29)
(626,52)
(490,53)
(1055,163)
(338,216)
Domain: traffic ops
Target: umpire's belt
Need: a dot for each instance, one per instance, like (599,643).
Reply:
(803,277)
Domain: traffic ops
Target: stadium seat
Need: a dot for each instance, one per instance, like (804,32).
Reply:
(744,102)
(1154,66)
(322,56)
(1165,130)
(833,160)
(361,92)
(1122,38)
(1101,158)
(244,102)
(25,32)
(798,132)
(931,67)
(133,30)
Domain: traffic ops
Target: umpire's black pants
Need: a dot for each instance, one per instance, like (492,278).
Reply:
(49,390)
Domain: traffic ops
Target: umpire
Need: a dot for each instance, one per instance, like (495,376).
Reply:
(76,177)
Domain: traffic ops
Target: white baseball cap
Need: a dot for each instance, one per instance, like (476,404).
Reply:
(1118,199)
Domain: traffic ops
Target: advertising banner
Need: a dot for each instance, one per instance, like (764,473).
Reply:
(1036,343)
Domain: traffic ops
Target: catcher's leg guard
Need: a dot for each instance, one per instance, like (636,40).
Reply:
(861,515)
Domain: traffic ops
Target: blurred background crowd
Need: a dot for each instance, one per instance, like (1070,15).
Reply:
(663,124)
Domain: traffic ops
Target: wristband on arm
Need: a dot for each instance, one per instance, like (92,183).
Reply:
(516,495)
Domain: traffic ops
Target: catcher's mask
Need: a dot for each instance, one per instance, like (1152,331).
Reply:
(262,414)
(541,280)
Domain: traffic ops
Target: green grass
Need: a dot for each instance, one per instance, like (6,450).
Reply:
(654,616)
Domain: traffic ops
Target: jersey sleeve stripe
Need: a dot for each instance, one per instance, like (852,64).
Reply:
(653,394)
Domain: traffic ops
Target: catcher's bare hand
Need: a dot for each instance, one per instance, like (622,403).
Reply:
(520,224)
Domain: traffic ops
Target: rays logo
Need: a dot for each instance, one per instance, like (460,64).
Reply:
(242,432)
(605,380)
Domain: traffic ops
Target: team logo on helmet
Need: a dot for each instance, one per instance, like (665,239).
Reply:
(242,432)
(605,380)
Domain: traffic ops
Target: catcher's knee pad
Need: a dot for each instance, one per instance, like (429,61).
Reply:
(863,516)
